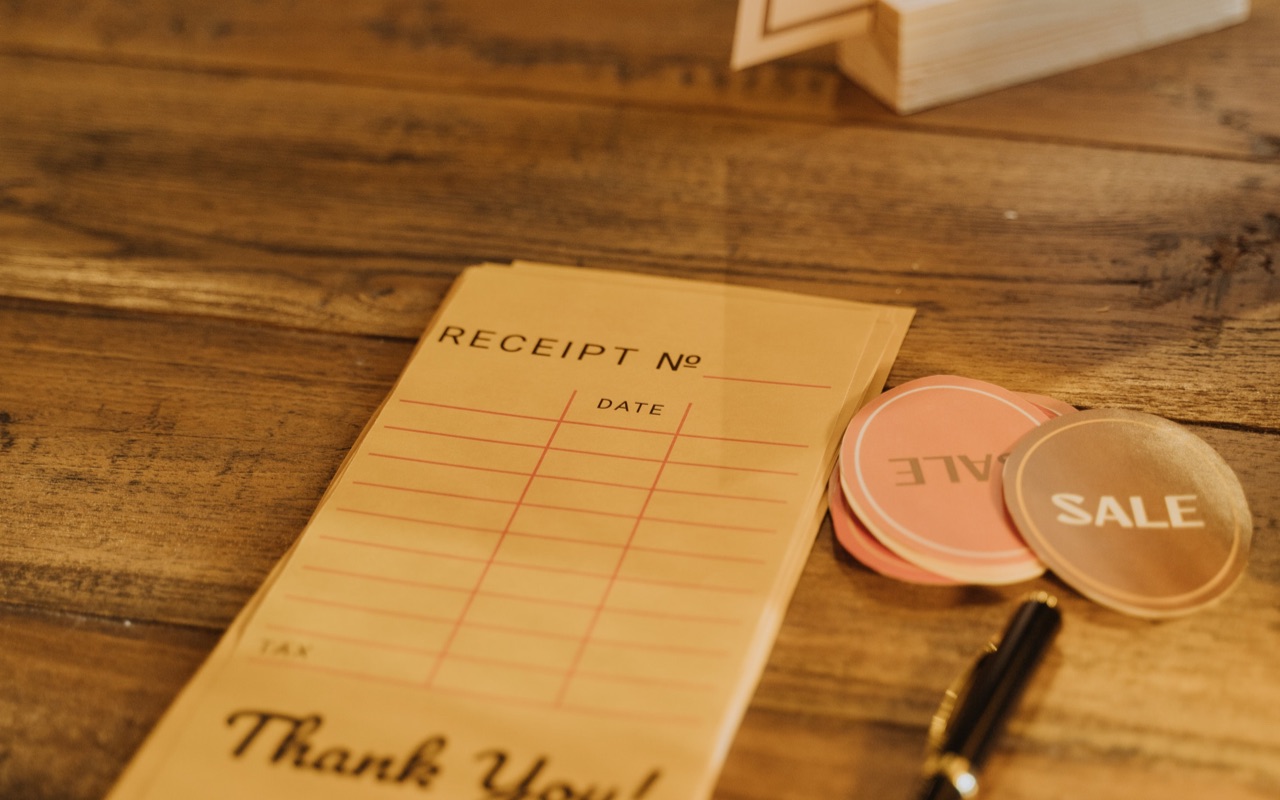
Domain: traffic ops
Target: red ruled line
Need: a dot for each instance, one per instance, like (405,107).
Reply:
(607,426)
(478,410)
(681,585)
(715,525)
(524,598)
(574,510)
(503,629)
(495,662)
(591,482)
(676,683)
(550,537)
(666,648)
(507,629)
(553,570)
(621,579)
(668,461)
(461,436)
(644,612)
(512,443)
(637,612)
(573,637)
(434,492)
(462,616)
(544,448)
(617,567)
(544,506)
(419,520)
(660,490)
(450,464)
(600,453)
(770,383)
(627,428)
(603,454)
(507,663)
(527,632)
(744,441)
(397,548)
(542,568)
(705,556)
(704,464)
(592,543)
(346,573)
(721,496)
(580,480)
(620,643)
(388,612)
(620,515)
(505,699)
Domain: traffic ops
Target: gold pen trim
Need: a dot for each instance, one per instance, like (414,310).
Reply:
(956,769)
(950,699)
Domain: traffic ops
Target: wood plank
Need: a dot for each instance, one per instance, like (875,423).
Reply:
(1211,94)
(80,694)
(211,218)
(1106,277)
(170,462)
(1127,707)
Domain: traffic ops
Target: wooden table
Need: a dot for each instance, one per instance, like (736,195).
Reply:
(222,226)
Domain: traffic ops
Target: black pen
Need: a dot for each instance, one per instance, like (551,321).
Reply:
(973,714)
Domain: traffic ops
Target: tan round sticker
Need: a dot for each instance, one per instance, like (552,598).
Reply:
(1132,510)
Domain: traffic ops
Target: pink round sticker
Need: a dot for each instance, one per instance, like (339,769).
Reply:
(1051,406)
(860,544)
(921,467)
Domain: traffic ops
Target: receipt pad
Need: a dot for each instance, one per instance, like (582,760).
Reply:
(554,562)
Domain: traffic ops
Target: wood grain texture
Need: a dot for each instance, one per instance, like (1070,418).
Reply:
(1149,708)
(222,227)
(156,468)
(80,695)
(351,210)
(200,509)
(1211,94)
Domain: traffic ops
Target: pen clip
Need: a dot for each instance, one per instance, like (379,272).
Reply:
(951,698)
(936,762)
(998,680)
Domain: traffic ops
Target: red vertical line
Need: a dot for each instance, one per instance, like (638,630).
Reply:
(502,537)
(617,567)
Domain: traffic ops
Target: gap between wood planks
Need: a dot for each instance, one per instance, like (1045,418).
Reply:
(105,623)
(338,78)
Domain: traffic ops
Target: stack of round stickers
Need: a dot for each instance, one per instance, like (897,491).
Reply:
(1131,509)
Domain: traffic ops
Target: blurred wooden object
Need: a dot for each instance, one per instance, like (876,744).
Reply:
(915,54)
(223,226)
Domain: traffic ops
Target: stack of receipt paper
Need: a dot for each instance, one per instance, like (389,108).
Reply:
(555,561)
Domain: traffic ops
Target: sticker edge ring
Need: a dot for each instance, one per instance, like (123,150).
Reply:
(1200,596)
